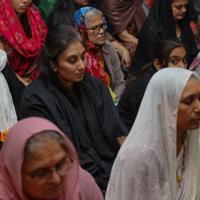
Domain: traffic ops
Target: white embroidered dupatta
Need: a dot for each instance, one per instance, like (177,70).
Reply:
(145,167)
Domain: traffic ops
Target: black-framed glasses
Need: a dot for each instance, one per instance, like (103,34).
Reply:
(61,168)
(97,28)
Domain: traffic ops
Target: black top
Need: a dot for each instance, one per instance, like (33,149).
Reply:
(160,24)
(62,13)
(16,88)
(95,3)
(130,101)
(53,102)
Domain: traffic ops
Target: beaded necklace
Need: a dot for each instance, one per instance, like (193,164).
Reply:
(179,177)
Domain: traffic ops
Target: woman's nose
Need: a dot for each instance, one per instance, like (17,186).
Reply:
(197,109)
(183,65)
(82,64)
(101,30)
(183,9)
(55,178)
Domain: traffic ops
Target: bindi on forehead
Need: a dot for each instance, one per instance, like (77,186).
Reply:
(52,160)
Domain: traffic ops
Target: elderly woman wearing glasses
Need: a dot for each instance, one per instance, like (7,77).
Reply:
(42,164)
(103,61)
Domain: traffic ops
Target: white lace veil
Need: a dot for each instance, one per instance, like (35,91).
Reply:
(8,115)
(145,167)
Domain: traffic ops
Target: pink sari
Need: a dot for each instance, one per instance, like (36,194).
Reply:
(78,185)
(22,51)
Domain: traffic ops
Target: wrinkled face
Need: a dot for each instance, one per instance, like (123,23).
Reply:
(47,156)
(178,58)
(82,3)
(179,8)
(96,38)
(189,107)
(72,63)
(20,6)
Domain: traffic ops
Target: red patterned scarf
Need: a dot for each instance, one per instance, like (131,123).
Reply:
(25,50)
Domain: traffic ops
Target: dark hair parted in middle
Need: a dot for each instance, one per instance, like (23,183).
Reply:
(57,41)
(162,52)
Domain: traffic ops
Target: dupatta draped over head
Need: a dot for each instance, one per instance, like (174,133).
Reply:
(93,66)
(160,24)
(24,50)
(120,13)
(12,156)
(145,167)
(8,115)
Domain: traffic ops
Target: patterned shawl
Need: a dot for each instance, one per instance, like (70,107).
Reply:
(11,29)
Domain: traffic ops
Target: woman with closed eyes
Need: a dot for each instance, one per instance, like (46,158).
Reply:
(78,103)
(39,162)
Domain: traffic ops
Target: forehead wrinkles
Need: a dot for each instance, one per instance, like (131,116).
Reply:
(95,21)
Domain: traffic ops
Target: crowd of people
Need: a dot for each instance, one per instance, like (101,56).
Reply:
(72,124)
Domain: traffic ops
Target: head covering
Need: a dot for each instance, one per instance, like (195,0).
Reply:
(119,14)
(195,66)
(93,66)
(160,24)
(12,155)
(145,167)
(14,34)
(8,115)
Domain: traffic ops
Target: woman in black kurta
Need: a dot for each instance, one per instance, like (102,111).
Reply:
(86,114)
(161,24)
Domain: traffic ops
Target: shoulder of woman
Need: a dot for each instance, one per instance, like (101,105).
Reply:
(88,187)
(35,87)
(93,80)
(108,45)
(139,154)
(34,11)
(109,48)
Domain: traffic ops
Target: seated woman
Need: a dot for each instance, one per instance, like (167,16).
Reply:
(103,61)
(22,33)
(125,19)
(78,103)
(160,158)
(11,90)
(42,164)
(167,53)
(63,12)
(167,19)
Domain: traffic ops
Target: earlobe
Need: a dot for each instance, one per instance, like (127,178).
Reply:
(157,64)
(53,66)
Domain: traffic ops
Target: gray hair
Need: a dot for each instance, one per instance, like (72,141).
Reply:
(90,14)
(35,141)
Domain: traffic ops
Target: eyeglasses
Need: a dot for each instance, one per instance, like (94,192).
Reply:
(97,28)
(61,168)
